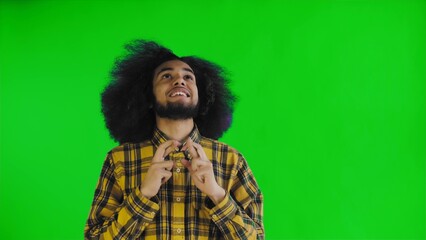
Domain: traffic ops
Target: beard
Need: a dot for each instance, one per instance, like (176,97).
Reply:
(176,111)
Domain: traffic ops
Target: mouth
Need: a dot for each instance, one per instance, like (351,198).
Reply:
(179,92)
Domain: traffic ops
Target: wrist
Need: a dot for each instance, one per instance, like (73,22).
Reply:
(144,193)
(218,195)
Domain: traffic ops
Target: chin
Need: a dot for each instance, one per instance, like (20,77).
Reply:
(176,110)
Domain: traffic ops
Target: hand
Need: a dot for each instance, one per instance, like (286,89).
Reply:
(201,171)
(160,171)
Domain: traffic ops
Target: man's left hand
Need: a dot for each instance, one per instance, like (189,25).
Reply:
(201,171)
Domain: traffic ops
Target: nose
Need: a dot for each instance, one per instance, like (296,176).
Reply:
(179,81)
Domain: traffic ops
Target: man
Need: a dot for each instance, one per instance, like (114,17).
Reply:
(169,178)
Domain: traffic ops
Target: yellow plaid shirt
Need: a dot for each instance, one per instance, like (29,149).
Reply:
(179,210)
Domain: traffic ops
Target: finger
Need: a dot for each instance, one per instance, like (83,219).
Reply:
(189,150)
(164,149)
(166,176)
(168,165)
(204,167)
(182,146)
(172,148)
(200,151)
(196,174)
(165,173)
(193,155)
(203,174)
(187,164)
(197,163)
(202,164)
(173,164)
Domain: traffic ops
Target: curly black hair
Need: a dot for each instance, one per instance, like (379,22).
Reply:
(128,99)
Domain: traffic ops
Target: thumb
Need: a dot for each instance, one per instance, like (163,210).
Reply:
(187,164)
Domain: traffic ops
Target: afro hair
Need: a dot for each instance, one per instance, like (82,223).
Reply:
(128,99)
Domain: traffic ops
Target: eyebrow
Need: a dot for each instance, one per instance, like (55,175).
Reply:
(169,68)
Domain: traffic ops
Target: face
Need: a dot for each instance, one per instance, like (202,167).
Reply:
(175,90)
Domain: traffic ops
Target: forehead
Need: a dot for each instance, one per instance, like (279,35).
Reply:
(172,64)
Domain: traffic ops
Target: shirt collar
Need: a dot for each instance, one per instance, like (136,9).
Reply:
(160,137)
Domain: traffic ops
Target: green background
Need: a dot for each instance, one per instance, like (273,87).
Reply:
(331,111)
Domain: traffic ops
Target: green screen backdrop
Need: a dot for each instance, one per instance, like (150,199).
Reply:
(331,111)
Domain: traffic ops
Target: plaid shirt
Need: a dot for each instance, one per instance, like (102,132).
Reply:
(179,210)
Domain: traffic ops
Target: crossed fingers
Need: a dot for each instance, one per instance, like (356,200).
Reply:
(196,160)
(162,151)
(199,165)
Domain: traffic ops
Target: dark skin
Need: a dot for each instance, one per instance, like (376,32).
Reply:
(175,82)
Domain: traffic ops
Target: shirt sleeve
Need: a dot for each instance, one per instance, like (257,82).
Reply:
(240,214)
(111,216)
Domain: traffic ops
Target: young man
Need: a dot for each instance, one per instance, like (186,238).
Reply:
(170,178)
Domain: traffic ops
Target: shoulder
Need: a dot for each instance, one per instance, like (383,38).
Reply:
(127,148)
(221,150)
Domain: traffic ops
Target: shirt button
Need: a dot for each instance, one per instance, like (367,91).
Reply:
(178,230)
(178,199)
(178,170)
(152,213)
(214,216)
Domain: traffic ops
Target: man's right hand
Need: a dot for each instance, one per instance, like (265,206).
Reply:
(159,171)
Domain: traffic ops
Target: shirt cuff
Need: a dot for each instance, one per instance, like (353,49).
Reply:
(224,210)
(141,207)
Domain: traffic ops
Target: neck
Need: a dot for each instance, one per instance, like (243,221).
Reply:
(175,129)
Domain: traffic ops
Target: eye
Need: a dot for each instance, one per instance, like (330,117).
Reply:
(188,77)
(166,76)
